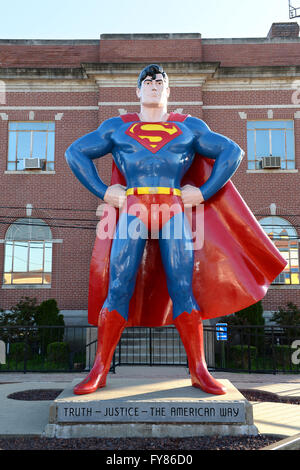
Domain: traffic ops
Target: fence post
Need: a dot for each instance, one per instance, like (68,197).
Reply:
(150,345)
(273,352)
(71,360)
(120,344)
(25,352)
(249,351)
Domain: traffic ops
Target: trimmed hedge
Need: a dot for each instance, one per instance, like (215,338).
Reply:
(239,354)
(283,354)
(58,352)
(17,351)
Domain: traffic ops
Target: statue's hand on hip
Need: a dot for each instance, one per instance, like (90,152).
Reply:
(191,195)
(115,195)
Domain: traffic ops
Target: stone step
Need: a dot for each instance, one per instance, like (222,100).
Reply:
(157,352)
(175,356)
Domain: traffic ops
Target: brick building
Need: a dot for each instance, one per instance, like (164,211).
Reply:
(52,92)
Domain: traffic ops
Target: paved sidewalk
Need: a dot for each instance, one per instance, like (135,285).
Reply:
(30,418)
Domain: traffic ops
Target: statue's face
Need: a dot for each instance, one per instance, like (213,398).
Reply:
(154,92)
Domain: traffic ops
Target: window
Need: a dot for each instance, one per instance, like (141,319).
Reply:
(31,140)
(270,139)
(285,237)
(28,253)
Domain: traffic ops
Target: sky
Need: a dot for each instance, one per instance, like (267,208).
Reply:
(78,19)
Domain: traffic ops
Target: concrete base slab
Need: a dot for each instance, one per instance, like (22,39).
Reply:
(150,408)
(146,430)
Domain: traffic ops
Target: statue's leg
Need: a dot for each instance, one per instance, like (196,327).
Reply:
(110,328)
(178,261)
(125,258)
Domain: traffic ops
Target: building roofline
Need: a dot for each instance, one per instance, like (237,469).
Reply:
(249,40)
(154,36)
(150,36)
(50,42)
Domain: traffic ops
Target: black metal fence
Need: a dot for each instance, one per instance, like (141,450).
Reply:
(260,349)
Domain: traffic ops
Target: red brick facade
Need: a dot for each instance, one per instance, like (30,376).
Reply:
(78,84)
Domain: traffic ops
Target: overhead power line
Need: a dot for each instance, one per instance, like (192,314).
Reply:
(50,208)
(66,209)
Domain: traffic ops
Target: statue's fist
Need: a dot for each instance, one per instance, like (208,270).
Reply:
(115,195)
(191,195)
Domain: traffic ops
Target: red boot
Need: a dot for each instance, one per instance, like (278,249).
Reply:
(190,329)
(110,328)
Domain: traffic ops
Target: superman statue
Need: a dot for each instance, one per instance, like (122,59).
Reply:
(149,273)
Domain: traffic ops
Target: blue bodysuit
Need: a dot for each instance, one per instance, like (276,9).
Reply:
(153,158)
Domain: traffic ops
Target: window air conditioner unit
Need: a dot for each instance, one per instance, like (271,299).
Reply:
(33,164)
(271,162)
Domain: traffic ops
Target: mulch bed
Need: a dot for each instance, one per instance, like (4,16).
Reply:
(36,394)
(150,444)
(260,395)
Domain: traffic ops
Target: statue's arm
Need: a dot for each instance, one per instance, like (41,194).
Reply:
(81,153)
(226,153)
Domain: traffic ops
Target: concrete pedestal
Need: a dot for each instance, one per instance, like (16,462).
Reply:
(150,408)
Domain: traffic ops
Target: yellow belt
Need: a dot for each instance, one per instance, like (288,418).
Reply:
(153,190)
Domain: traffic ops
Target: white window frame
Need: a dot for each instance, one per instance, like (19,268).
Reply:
(12,164)
(291,237)
(268,127)
(13,238)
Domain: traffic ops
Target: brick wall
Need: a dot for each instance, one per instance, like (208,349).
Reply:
(252,54)
(155,50)
(61,190)
(14,54)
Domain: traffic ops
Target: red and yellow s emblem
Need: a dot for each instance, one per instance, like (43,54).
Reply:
(153,136)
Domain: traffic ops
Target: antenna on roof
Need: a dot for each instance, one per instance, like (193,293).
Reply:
(294,11)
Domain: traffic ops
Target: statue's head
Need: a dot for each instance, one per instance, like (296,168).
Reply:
(153,86)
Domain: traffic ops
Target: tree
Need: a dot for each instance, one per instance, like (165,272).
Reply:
(288,317)
(27,313)
(252,315)
(47,314)
(21,314)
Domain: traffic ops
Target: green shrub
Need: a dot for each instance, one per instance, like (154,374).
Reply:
(17,351)
(58,352)
(21,314)
(289,317)
(283,354)
(48,315)
(239,355)
(237,326)
(252,315)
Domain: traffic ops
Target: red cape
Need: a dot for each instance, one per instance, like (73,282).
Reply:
(232,270)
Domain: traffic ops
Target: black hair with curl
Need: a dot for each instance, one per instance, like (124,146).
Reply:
(150,71)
